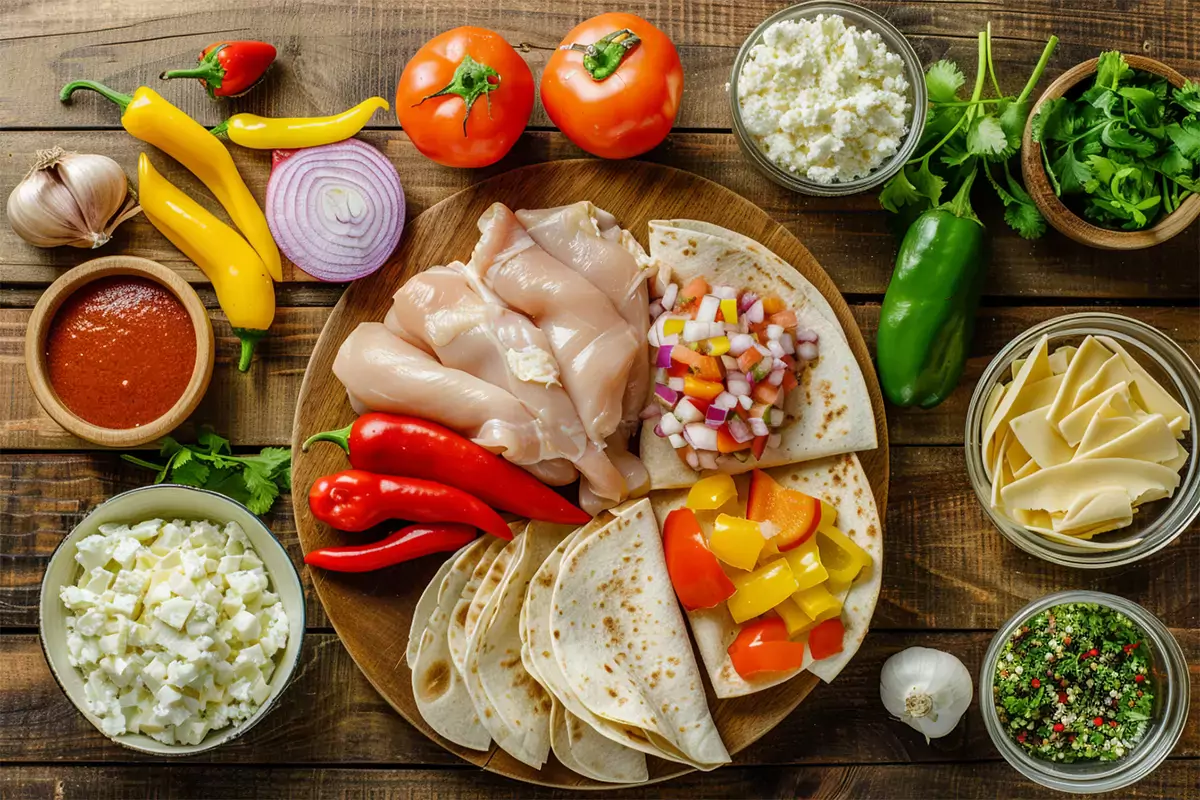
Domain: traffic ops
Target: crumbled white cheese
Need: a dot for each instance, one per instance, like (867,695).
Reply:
(823,99)
(173,627)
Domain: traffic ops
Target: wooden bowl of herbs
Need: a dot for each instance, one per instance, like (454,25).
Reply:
(1111,152)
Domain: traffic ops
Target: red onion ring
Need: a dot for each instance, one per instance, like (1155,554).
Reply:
(337,211)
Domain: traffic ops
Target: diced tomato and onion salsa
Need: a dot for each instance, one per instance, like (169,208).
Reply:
(781,570)
(725,361)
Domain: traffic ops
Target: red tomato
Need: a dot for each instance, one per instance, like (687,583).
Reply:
(763,646)
(826,639)
(794,513)
(695,572)
(613,86)
(465,97)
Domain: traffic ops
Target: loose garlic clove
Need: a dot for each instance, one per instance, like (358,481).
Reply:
(70,199)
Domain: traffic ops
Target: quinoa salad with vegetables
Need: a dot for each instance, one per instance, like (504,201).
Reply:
(1073,684)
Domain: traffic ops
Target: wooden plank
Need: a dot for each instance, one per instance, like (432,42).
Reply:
(849,236)
(332,715)
(945,566)
(256,408)
(1175,779)
(331,59)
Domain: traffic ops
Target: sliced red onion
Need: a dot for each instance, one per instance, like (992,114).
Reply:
(724,292)
(656,310)
(661,376)
(776,377)
(738,387)
(337,211)
(715,417)
(739,430)
(776,349)
(724,400)
(663,360)
(693,460)
(669,341)
(670,424)
(694,331)
(778,363)
(669,295)
(658,431)
(700,436)
(746,402)
(652,411)
(677,441)
(746,300)
(709,306)
(654,337)
(758,427)
(730,364)
(774,440)
(707,459)
(666,394)
(676,383)
(687,412)
(774,332)
(755,313)
(788,344)
(804,335)
(740,343)
(807,351)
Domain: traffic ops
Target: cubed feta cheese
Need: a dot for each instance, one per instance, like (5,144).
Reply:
(93,551)
(175,611)
(247,626)
(126,551)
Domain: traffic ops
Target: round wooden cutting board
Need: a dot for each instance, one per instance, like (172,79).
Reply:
(372,611)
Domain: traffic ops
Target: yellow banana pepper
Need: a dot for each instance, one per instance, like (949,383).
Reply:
(148,116)
(265,133)
(244,289)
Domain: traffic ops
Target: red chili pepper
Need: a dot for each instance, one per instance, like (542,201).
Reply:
(400,445)
(228,69)
(403,545)
(355,500)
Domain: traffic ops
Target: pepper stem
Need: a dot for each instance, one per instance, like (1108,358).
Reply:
(471,79)
(220,129)
(209,70)
(340,437)
(122,100)
(602,58)
(249,339)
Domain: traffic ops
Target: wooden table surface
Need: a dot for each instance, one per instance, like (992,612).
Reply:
(949,578)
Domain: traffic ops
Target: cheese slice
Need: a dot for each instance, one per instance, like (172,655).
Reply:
(1076,542)
(1181,457)
(1110,374)
(992,402)
(1105,506)
(1036,368)
(1033,519)
(1087,362)
(1040,438)
(1060,359)
(1103,429)
(1001,474)
(1058,488)
(1149,392)
(1075,425)
(1015,367)
(1017,456)
(1030,467)
(1149,440)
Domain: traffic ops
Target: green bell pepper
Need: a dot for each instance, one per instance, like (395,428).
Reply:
(928,314)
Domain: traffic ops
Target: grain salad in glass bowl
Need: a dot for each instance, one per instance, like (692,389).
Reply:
(827,98)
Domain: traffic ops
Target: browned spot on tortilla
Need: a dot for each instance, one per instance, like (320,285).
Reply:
(670,673)
(556,632)
(608,669)
(435,681)
(461,616)
(872,531)
(612,692)
(625,559)
(509,663)
(487,712)
(673,660)
(545,580)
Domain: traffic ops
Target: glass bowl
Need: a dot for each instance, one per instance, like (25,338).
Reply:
(864,20)
(1168,668)
(1157,523)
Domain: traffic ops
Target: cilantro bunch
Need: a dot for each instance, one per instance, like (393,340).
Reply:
(962,138)
(1125,151)
(254,481)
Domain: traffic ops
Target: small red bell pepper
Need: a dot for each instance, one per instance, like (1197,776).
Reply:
(228,69)
(795,514)
(763,646)
(827,639)
(355,500)
(695,573)
(393,444)
(403,545)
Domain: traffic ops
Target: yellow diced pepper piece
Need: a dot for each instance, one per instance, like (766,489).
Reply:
(708,494)
(842,557)
(817,603)
(672,326)
(760,591)
(794,618)
(836,587)
(736,541)
(729,310)
(718,345)
(806,565)
(828,515)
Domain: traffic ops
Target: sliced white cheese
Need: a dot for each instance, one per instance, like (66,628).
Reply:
(1103,429)
(992,402)
(1150,440)
(1075,541)
(1036,368)
(1181,457)
(1058,488)
(1030,467)
(1015,367)
(1087,362)
(1105,506)
(1001,474)
(1017,456)
(1150,393)
(1111,373)
(1075,425)
(1060,359)
(1040,438)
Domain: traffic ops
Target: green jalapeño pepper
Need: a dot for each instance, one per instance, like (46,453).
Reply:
(928,314)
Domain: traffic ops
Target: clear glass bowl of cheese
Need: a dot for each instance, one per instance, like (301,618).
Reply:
(1074,432)
(864,20)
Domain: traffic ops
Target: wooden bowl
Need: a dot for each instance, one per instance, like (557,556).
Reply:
(39,327)
(1066,221)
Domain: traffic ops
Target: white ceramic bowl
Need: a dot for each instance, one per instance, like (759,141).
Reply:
(169,501)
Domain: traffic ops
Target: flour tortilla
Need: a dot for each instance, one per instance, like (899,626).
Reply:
(841,482)
(830,413)
(456,633)
(426,605)
(438,687)
(619,638)
(581,748)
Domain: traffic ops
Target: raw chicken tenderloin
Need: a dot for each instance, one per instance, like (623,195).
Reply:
(383,372)
(438,311)
(593,345)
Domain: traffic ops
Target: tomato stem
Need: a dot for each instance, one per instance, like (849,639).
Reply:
(602,58)
(471,79)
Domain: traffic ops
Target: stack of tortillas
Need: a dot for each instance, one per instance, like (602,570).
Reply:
(564,640)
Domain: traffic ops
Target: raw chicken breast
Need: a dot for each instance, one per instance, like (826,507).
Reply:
(593,345)
(382,372)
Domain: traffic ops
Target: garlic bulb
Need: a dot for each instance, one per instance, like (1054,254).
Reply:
(927,689)
(71,199)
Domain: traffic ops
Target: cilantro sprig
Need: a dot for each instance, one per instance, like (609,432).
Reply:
(1126,151)
(962,138)
(254,480)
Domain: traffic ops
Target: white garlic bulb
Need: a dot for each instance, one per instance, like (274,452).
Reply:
(71,199)
(926,689)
